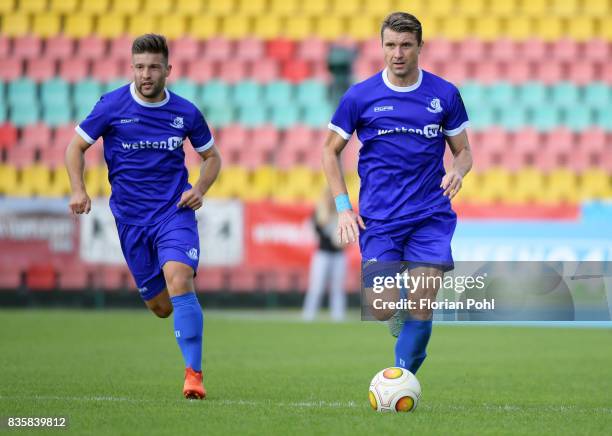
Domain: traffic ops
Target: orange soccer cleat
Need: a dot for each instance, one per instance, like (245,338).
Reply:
(193,388)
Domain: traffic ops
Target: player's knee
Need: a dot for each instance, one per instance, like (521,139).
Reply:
(162,310)
(180,283)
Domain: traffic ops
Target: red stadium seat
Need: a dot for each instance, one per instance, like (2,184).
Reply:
(596,50)
(74,69)
(266,136)
(371,49)
(200,70)
(314,49)
(487,72)
(8,135)
(218,49)
(233,71)
(350,154)
(517,71)
(250,49)
(471,49)
(298,137)
(63,135)
(12,69)
(53,157)
(121,48)
(40,69)
(295,70)
(21,156)
(281,49)
(559,146)
(526,143)
(10,277)
(606,73)
(106,70)
(503,49)
(184,49)
(27,47)
(41,277)
(233,142)
(581,72)
(36,135)
(456,71)
(364,67)
(59,47)
(549,71)
(534,50)
(75,276)
(320,71)
(565,49)
(264,70)
(4,47)
(437,49)
(91,47)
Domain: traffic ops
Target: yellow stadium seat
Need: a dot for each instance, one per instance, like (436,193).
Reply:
(596,8)
(346,8)
(97,7)
(605,28)
(8,179)
(565,8)
(46,24)
(63,6)
(236,26)
(440,8)
(495,186)
(469,189)
(139,24)
(534,8)
(528,187)
(204,26)
(7,6)
(352,186)
(96,181)
(470,8)
(60,183)
(549,28)
(453,28)
(286,8)
(111,25)
(265,181)
(188,7)
(34,180)
(432,27)
(78,25)
(157,7)
(314,7)
(330,27)
(378,8)
(504,8)
(173,26)
(487,29)
(581,28)
(519,28)
(16,24)
(32,6)
(251,7)
(221,8)
(267,26)
(561,187)
(595,184)
(362,27)
(232,182)
(296,184)
(298,27)
(125,6)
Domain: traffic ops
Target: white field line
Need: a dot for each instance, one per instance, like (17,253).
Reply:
(315,404)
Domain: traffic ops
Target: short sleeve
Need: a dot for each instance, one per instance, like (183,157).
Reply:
(200,136)
(344,120)
(96,123)
(455,119)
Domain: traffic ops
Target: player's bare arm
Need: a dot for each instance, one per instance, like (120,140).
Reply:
(348,221)
(462,163)
(75,164)
(209,170)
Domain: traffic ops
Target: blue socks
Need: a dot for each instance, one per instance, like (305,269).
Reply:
(411,343)
(188,325)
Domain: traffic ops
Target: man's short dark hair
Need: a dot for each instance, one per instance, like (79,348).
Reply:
(150,43)
(403,22)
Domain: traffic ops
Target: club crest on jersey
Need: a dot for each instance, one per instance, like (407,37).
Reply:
(434,106)
(178,122)
(193,254)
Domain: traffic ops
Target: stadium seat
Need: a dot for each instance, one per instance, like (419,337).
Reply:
(264,183)
(218,114)
(534,49)
(480,117)
(92,47)
(453,28)
(595,184)
(581,73)
(277,93)
(549,28)
(186,89)
(317,115)
(63,6)
(27,47)
(557,149)
(502,49)
(218,49)
(512,117)
(264,70)
(561,187)
(33,180)
(8,135)
(487,29)
(11,69)
(40,277)
(311,92)
(40,69)
(252,116)
(203,26)
(15,25)
(158,7)
(86,93)
(173,26)
(472,93)
(54,91)
(246,93)
(487,72)
(200,70)
(73,276)
(581,28)
(35,136)
(565,49)
(597,95)
(549,72)
(10,276)
(73,69)
(522,28)
(250,49)
(596,50)
(526,144)
(284,7)
(8,179)
(233,71)
(362,27)
(604,118)
(53,157)
(24,113)
(517,71)
(262,145)
(456,72)
(376,8)
(46,24)
(471,8)
(266,27)
(215,91)
(113,278)
(578,118)
(111,25)
(564,94)
(532,94)
(284,116)
(58,47)
(236,27)
(120,48)
(545,118)
(329,27)
(295,71)
(471,49)
(78,25)
(527,187)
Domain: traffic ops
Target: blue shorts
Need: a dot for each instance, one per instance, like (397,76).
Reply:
(147,248)
(422,239)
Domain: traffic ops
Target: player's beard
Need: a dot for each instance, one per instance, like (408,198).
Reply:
(154,91)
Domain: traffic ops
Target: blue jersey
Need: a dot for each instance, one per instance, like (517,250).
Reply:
(143,148)
(403,131)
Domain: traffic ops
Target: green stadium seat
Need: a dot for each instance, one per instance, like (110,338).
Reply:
(21,92)
(114,84)
(564,94)
(481,117)
(532,94)
(578,118)
(25,113)
(278,93)
(545,117)
(57,114)
(472,93)
(311,92)
(512,117)
(604,118)
(252,116)
(186,89)
(55,91)
(597,95)
(317,116)
(81,111)
(2,92)
(214,92)
(501,94)
(283,117)
(3,112)
(219,114)
(86,93)
(247,93)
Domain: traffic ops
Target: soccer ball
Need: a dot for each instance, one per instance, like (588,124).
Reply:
(394,390)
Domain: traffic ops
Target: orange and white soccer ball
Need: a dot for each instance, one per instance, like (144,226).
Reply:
(394,390)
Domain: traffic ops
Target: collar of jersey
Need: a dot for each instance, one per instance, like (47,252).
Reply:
(402,88)
(146,103)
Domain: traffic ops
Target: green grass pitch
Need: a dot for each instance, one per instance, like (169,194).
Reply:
(120,372)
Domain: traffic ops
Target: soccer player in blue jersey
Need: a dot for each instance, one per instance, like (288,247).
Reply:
(144,126)
(403,116)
